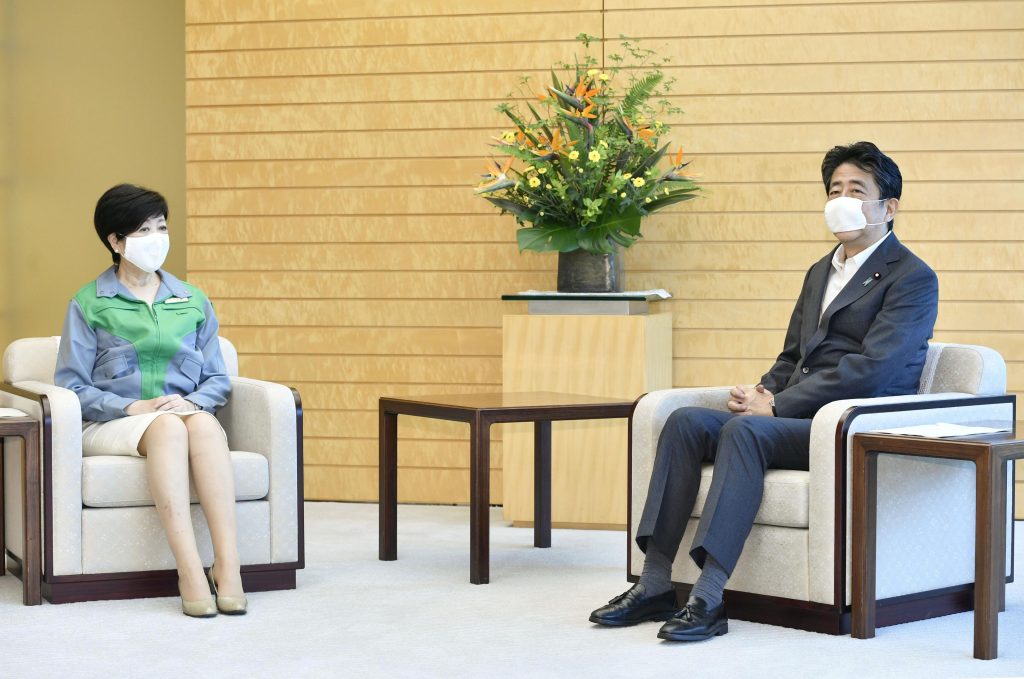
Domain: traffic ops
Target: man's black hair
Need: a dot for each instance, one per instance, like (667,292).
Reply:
(867,157)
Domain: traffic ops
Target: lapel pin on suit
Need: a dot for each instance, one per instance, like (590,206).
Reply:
(874,277)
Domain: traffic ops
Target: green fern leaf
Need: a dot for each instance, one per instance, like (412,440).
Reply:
(640,92)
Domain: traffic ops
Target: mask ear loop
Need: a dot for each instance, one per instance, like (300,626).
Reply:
(878,200)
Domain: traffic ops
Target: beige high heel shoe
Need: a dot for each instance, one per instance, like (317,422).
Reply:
(228,605)
(203,608)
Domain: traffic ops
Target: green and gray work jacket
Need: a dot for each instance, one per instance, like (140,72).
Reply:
(116,349)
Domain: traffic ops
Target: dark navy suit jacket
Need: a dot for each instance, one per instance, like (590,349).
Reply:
(871,341)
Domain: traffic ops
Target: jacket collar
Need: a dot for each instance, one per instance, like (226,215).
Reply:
(107,285)
(875,268)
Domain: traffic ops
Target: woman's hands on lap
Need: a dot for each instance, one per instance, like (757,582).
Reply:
(161,404)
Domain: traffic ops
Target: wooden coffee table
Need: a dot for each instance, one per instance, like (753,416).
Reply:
(480,411)
(27,428)
(989,453)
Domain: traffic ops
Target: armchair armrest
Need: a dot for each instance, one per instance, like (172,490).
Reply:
(265,418)
(60,413)
(832,430)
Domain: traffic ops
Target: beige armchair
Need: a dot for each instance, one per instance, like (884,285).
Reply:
(102,538)
(795,568)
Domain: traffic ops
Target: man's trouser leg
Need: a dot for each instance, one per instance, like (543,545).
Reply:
(747,446)
(688,439)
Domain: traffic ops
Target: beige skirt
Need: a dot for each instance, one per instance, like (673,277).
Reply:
(121,436)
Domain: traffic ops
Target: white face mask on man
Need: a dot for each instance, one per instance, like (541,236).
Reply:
(847,214)
(147,252)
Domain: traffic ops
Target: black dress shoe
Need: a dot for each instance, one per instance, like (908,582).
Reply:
(695,622)
(633,607)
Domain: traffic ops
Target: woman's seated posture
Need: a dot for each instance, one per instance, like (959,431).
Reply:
(140,349)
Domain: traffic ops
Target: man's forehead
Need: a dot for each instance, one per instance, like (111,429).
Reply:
(851,174)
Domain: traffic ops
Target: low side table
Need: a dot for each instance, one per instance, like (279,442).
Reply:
(480,411)
(27,429)
(989,453)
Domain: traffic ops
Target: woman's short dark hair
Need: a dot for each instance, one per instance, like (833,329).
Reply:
(867,157)
(122,209)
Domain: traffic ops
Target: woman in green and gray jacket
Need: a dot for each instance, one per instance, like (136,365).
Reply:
(140,349)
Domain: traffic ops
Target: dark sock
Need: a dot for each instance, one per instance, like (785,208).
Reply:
(657,575)
(711,583)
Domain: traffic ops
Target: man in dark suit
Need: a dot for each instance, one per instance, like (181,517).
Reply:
(860,329)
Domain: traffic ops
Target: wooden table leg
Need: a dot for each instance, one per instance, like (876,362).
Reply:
(388,498)
(479,500)
(542,484)
(3,548)
(31,573)
(1000,568)
(986,546)
(865,505)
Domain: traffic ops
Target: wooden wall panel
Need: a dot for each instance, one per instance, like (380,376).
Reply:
(332,147)
(332,150)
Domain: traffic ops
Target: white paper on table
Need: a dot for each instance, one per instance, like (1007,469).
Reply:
(12,412)
(939,430)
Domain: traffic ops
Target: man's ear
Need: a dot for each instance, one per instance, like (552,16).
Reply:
(892,206)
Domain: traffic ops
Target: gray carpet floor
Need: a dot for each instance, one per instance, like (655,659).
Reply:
(354,616)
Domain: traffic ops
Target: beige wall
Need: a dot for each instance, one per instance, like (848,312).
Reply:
(94,95)
(5,171)
(332,147)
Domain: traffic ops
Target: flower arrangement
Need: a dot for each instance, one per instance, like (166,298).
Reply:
(590,158)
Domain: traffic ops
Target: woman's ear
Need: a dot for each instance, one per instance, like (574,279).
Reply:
(114,240)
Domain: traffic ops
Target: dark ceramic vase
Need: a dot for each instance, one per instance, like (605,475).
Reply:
(581,271)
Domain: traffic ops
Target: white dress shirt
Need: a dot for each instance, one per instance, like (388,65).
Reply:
(844,269)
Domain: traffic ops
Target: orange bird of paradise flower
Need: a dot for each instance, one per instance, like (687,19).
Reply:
(495,173)
(582,92)
(555,145)
(677,160)
(642,131)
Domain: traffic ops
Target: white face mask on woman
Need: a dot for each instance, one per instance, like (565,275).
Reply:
(147,252)
(847,214)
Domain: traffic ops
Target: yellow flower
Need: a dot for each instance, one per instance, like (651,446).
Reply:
(647,200)
(638,182)
(604,77)
(534,182)
(508,136)
(547,186)
(603,143)
(541,170)
(622,195)
(627,175)
(580,170)
(594,156)
(592,72)
(573,155)
(541,213)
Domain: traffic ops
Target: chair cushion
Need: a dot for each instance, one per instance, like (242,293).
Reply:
(120,480)
(785,501)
